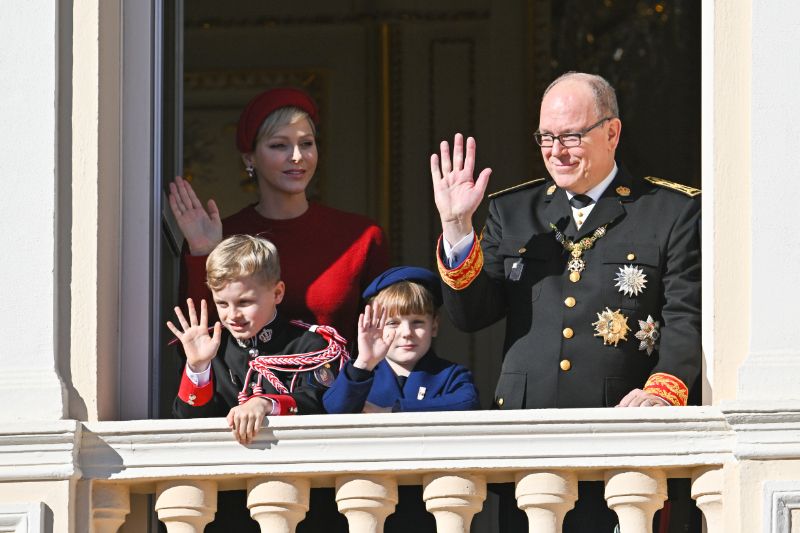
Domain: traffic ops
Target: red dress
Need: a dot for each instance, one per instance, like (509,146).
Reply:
(327,258)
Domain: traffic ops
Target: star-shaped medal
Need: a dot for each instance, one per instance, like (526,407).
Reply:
(648,335)
(612,326)
(630,280)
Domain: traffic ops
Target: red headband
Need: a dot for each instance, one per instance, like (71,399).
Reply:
(260,107)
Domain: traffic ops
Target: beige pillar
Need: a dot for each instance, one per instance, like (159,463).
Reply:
(366,501)
(110,505)
(707,486)
(546,497)
(278,504)
(635,495)
(186,506)
(453,500)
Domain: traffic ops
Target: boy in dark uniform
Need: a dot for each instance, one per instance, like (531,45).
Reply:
(236,372)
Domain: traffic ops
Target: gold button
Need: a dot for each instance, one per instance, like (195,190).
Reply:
(568,333)
(631,256)
(574,277)
(500,402)
(523,250)
(570,301)
(565,365)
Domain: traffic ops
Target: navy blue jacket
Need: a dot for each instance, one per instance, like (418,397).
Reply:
(435,384)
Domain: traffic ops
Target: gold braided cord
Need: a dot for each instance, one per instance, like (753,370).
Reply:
(461,277)
(668,387)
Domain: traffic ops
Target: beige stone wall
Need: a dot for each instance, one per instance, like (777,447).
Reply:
(58,497)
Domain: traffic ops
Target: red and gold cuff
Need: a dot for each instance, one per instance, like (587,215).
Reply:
(667,387)
(194,395)
(284,404)
(463,275)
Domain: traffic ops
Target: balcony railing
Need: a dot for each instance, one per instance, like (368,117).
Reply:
(452,455)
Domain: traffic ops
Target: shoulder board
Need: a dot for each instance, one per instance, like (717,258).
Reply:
(516,187)
(685,189)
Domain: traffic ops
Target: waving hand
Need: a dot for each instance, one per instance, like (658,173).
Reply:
(456,193)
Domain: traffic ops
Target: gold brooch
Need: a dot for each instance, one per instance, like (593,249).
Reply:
(612,326)
(623,191)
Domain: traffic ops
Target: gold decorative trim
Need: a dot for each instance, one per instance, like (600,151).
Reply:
(516,187)
(461,277)
(681,188)
(668,387)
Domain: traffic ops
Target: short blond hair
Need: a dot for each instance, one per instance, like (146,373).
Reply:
(405,298)
(280,118)
(242,256)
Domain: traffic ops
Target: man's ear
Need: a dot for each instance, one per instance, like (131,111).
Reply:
(280,291)
(614,132)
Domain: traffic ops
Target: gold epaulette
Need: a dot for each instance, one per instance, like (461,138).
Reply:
(516,187)
(685,189)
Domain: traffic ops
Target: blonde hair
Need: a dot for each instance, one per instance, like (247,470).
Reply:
(280,118)
(405,298)
(242,256)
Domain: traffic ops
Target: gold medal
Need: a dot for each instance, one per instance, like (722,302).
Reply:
(612,326)
(577,263)
(574,277)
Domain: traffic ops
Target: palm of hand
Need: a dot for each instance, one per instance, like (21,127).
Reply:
(198,345)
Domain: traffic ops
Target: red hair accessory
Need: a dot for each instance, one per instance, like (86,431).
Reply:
(260,107)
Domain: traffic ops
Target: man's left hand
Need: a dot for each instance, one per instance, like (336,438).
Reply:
(640,398)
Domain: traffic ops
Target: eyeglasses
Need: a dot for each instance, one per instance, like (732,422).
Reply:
(567,140)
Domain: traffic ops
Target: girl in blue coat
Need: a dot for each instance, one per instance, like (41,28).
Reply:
(396,368)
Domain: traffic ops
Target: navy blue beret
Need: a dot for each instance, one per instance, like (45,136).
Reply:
(420,275)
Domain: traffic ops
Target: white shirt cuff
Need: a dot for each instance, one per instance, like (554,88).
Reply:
(199,378)
(456,253)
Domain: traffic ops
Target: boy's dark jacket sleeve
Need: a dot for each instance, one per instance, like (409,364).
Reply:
(229,371)
(435,384)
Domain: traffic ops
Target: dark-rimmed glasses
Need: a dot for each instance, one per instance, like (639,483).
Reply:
(567,140)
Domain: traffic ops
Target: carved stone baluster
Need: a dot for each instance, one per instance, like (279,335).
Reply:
(110,505)
(366,501)
(186,506)
(707,486)
(546,497)
(278,504)
(453,499)
(635,495)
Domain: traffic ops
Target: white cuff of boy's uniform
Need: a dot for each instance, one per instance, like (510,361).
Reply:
(199,378)
(456,253)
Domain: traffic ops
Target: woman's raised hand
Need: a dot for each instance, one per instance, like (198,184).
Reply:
(202,229)
(456,194)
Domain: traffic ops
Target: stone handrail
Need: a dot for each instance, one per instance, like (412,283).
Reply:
(452,455)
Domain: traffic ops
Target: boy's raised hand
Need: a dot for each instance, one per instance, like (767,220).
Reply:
(245,420)
(373,341)
(202,228)
(199,347)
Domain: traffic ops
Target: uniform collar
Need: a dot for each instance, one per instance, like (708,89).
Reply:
(261,338)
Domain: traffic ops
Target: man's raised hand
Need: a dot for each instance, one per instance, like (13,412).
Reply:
(456,193)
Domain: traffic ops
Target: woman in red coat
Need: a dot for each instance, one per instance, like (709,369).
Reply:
(328,256)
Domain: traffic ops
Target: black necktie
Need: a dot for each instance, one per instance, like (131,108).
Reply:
(579,201)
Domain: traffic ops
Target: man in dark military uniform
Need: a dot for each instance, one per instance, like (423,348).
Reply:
(596,272)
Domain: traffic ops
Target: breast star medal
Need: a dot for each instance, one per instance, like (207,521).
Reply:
(612,326)
(648,335)
(576,263)
(630,280)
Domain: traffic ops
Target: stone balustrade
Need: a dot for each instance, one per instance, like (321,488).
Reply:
(453,456)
